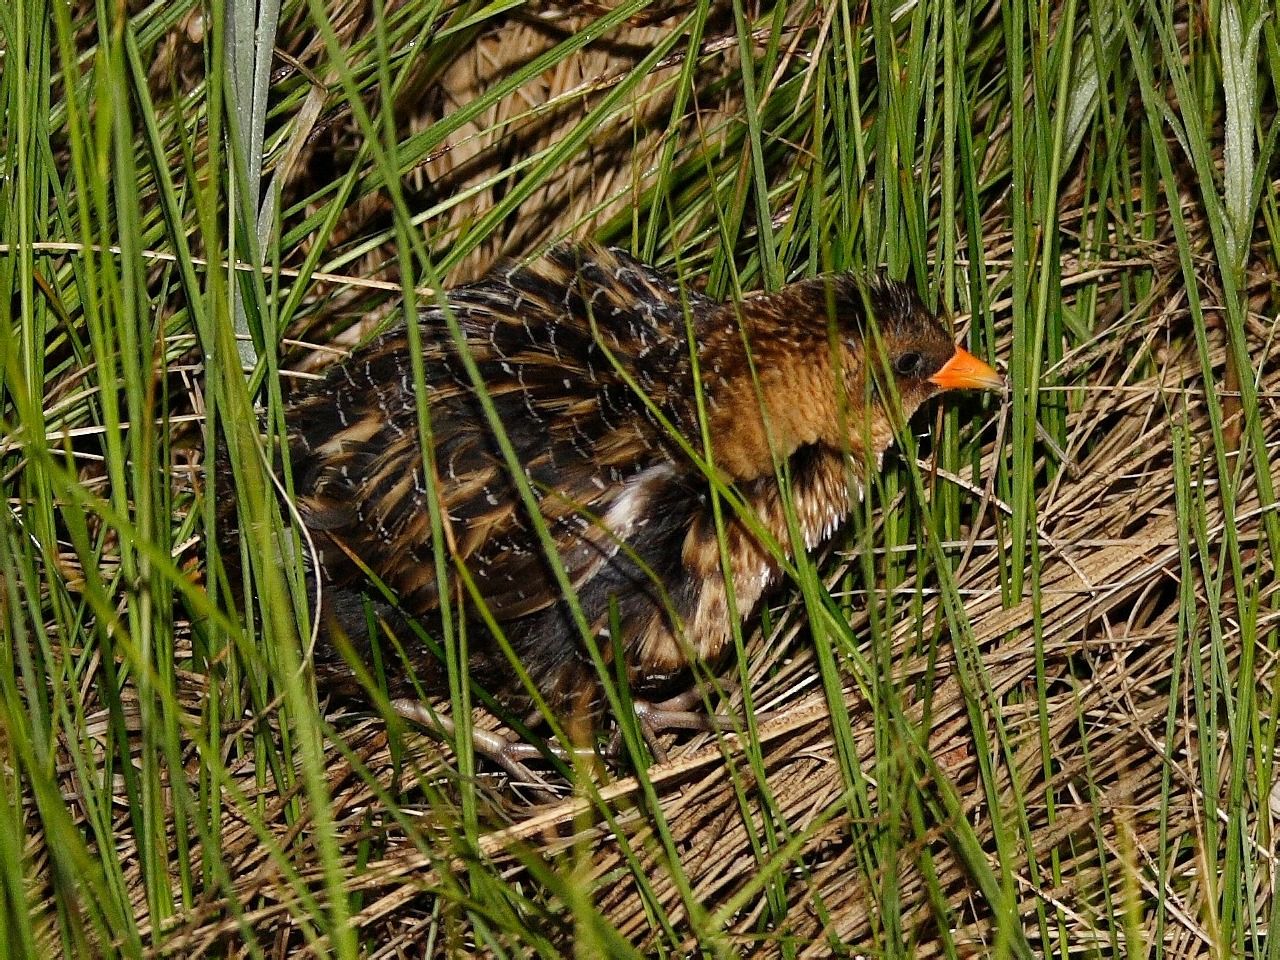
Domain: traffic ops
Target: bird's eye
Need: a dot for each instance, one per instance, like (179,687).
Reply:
(908,364)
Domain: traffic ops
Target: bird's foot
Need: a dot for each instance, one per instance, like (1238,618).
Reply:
(685,711)
(511,755)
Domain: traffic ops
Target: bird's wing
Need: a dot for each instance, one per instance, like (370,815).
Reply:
(585,360)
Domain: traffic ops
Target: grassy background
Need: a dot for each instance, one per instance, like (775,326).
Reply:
(1025,706)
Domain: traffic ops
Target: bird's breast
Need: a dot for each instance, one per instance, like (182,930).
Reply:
(756,545)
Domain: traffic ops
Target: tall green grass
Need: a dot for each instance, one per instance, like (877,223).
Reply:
(162,749)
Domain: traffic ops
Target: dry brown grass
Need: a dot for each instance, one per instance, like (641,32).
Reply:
(1104,628)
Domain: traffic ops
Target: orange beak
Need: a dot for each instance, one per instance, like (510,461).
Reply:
(965,371)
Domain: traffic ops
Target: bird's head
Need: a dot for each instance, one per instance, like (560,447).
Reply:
(828,360)
(893,346)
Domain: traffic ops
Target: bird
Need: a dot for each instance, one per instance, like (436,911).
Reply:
(619,402)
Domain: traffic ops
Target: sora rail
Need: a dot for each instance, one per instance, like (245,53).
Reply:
(586,357)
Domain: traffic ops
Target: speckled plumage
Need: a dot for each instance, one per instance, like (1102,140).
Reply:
(585,355)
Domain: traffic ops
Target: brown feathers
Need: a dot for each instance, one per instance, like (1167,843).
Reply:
(586,358)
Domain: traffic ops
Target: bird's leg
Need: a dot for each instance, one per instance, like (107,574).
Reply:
(510,755)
